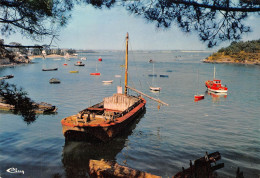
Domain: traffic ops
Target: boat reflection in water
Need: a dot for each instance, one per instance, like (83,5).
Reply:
(78,151)
(217,97)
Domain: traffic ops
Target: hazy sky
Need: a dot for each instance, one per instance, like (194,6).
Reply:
(91,28)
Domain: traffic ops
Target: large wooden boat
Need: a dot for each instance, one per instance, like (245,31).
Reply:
(110,117)
(107,119)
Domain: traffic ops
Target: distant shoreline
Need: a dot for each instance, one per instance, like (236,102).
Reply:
(12,64)
(47,56)
(224,61)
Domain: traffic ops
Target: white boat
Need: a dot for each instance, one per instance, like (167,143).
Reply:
(83,58)
(107,81)
(117,76)
(155,88)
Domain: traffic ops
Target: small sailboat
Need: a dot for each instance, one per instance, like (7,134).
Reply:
(153,88)
(67,56)
(109,118)
(215,85)
(95,73)
(198,97)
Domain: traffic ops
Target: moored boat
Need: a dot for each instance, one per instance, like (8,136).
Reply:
(74,71)
(155,88)
(79,63)
(107,119)
(54,81)
(165,76)
(215,85)
(107,81)
(100,59)
(95,73)
(50,69)
(198,97)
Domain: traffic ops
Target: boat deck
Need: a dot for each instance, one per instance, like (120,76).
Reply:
(107,115)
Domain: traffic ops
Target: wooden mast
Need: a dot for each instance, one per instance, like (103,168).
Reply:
(126,63)
(126,75)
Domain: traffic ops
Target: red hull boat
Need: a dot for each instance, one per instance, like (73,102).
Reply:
(94,73)
(215,85)
(198,97)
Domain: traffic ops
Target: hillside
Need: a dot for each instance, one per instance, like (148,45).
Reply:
(238,52)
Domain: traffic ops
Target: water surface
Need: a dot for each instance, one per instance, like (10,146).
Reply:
(161,141)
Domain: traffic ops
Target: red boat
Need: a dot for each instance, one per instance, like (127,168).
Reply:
(97,73)
(215,85)
(100,59)
(198,97)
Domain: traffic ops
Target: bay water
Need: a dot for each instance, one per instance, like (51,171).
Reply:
(161,141)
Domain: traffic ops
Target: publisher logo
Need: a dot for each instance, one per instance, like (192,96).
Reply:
(15,171)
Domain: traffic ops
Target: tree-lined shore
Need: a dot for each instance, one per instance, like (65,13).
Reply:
(238,52)
(15,53)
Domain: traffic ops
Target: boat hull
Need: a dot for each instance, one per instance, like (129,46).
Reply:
(216,86)
(198,97)
(155,88)
(50,69)
(217,91)
(104,131)
(94,73)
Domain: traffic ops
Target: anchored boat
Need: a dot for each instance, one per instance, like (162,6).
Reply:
(198,97)
(50,69)
(108,118)
(215,85)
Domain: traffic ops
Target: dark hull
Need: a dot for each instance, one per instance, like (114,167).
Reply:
(50,69)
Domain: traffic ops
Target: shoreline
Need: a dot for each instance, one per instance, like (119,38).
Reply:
(230,62)
(47,56)
(12,64)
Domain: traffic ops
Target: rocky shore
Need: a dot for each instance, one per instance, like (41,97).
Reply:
(240,58)
(6,62)
(223,61)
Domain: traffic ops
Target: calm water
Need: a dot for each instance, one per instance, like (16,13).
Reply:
(161,141)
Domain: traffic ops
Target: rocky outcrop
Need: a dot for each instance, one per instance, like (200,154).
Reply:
(102,169)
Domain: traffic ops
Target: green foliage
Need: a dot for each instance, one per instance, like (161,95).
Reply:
(71,51)
(23,105)
(236,47)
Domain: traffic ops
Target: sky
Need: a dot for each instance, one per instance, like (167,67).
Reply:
(95,29)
